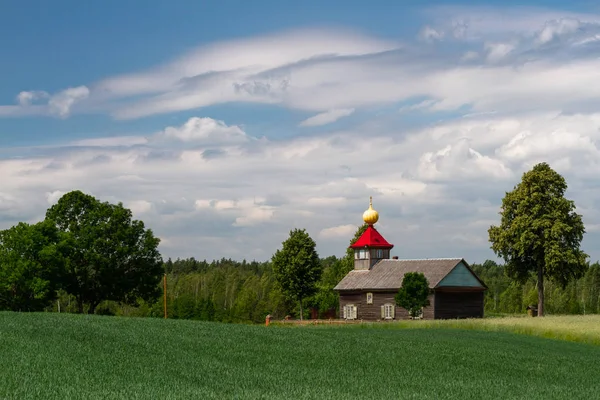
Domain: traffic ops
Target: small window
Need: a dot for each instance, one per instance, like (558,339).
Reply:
(388,311)
(350,311)
(379,253)
(369,298)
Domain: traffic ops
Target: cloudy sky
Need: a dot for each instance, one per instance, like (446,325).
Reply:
(224,126)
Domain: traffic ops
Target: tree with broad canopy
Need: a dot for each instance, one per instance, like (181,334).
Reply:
(107,254)
(30,266)
(540,232)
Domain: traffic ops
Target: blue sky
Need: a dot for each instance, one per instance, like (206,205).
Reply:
(214,121)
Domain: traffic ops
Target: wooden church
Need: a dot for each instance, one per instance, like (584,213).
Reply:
(367,292)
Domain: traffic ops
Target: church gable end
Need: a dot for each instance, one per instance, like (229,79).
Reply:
(460,276)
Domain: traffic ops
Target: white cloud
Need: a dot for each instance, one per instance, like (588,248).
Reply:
(556,28)
(423,105)
(325,201)
(255,215)
(241,54)
(139,207)
(54,196)
(460,161)
(327,117)
(225,205)
(497,51)
(202,203)
(247,212)
(206,130)
(22,111)
(429,185)
(515,88)
(470,55)
(475,22)
(345,232)
(111,141)
(427,33)
(27,97)
(527,145)
(59,104)
(301,70)
(7,202)
(62,102)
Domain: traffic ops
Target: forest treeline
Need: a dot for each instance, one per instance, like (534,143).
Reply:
(92,256)
(245,292)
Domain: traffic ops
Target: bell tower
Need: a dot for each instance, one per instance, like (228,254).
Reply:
(371,247)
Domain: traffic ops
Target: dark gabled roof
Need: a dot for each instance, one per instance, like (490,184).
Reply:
(388,274)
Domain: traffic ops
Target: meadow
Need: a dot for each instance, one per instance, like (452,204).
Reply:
(58,356)
(573,328)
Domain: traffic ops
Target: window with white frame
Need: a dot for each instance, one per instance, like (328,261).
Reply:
(387,311)
(350,311)
(379,253)
(369,298)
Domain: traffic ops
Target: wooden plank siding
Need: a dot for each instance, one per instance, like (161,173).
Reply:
(444,304)
(458,304)
(372,312)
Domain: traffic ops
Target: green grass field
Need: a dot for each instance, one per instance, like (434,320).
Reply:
(59,356)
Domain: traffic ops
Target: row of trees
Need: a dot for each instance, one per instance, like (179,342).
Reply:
(86,253)
(245,292)
(507,296)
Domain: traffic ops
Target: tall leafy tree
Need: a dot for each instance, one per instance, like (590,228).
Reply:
(30,266)
(413,295)
(108,255)
(540,232)
(297,266)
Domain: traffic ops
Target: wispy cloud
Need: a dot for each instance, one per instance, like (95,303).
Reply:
(507,57)
(519,84)
(39,102)
(327,117)
(27,97)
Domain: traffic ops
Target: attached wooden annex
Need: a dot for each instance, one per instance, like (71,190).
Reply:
(368,291)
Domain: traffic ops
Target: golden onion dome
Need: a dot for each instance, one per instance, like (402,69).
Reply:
(370,216)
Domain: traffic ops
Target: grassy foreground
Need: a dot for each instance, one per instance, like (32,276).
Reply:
(59,356)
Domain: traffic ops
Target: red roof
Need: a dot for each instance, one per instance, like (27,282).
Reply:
(371,238)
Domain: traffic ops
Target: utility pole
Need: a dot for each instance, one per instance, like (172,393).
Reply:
(165,294)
